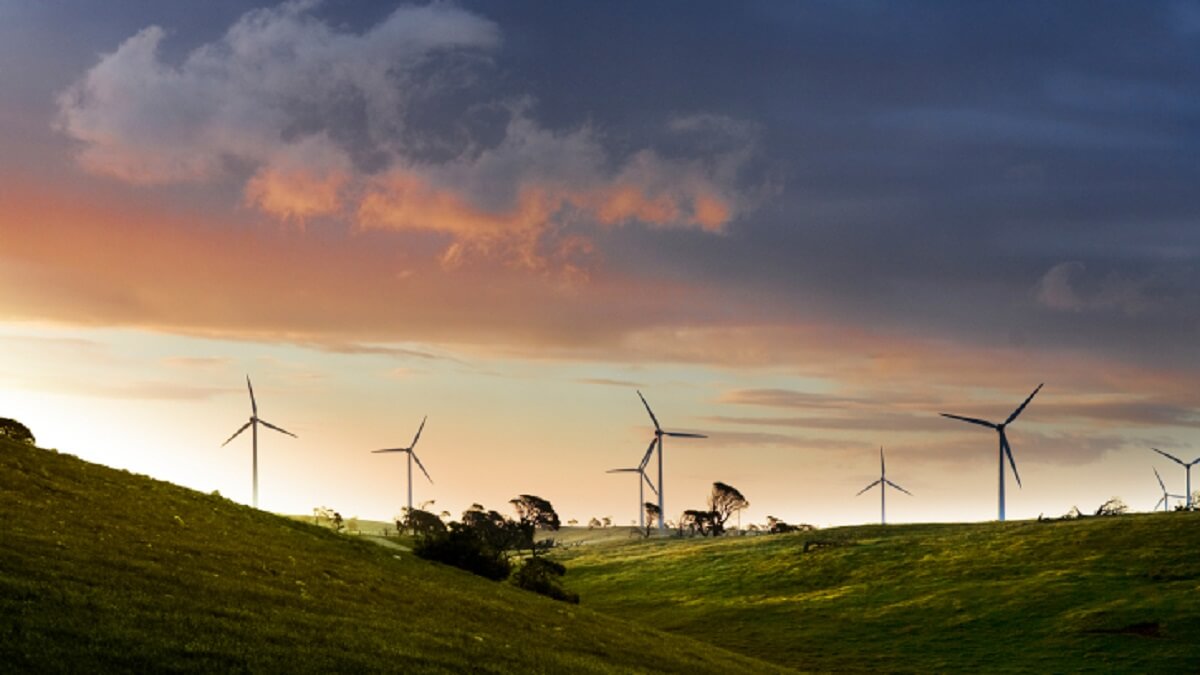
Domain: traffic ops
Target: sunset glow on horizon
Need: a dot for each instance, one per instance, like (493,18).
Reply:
(801,243)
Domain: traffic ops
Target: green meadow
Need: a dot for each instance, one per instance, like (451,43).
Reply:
(102,570)
(1113,594)
(105,571)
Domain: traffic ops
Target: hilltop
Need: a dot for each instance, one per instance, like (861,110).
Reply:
(1101,594)
(102,570)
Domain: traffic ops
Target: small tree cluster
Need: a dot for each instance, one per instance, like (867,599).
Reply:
(483,540)
(723,501)
(1112,507)
(777,526)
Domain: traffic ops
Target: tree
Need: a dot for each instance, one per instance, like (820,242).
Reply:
(698,521)
(478,544)
(607,521)
(1112,507)
(493,529)
(652,515)
(534,513)
(594,523)
(422,523)
(724,501)
(16,431)
(572,522)
(337,522)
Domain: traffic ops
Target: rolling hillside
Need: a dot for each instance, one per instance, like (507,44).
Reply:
(102,570)
(1099,594)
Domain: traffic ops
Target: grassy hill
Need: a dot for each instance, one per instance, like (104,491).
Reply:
(1099,594)
(102,570)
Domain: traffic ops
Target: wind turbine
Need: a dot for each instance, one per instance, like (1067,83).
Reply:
(1187,466)
(1005,448)
(883,484)
(658,438)
(641,470)
(253,423)
(1166,496)
(411,456)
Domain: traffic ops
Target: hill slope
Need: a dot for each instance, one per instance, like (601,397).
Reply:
(1095,594)
(102,570)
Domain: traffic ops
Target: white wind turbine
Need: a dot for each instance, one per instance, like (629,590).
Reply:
(412,455)
(642,483)
(883,484)
(1187,467)
(658,438)
(1005,448)
(253,423)
(1165,500)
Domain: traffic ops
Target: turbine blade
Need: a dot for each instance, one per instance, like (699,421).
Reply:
(898,487)
(679,434)
(1173,458)
(253,403)
(1011,461)
(419,429)
(1162,500)
(235,434)
(391,450)
(1160,483)
(647,479)
(649,453)
(869,487)
(652,417)
(972,420)
(1022,406)
(272,426)
(623,471)
(882,468)
(422,466)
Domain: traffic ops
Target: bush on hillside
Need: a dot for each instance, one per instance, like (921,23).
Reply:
(466,550)
(543,576)
(16,431)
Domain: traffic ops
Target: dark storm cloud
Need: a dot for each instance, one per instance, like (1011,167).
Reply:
(936,163)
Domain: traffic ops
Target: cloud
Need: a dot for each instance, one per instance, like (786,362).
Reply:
(198,361)
(313,121)
(607,382)
(1066,287)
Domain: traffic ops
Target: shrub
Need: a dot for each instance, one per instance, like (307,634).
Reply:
(13,429)
(542,576)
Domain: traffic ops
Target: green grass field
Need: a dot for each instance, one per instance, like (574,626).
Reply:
(102,570)
(1117,594)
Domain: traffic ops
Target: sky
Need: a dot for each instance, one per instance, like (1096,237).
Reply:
(802,229)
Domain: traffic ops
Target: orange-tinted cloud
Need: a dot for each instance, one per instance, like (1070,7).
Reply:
(318,117)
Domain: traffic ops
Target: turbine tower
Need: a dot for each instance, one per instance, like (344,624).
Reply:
(883,484)
(658,438)
(1187,467)
(645,480)
(1165,500)
(412,455)
(1005,448)
(253,423)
